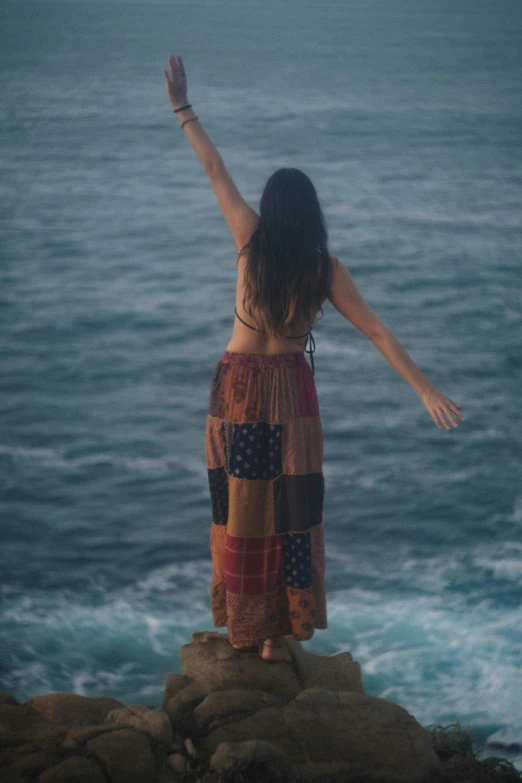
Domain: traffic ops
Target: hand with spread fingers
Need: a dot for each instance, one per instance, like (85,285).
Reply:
(439,406)
(176,82)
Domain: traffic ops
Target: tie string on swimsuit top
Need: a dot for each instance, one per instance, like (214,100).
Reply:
(290,337)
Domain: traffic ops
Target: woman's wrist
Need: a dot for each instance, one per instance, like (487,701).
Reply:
(427,388)
(186,114)
(179,104)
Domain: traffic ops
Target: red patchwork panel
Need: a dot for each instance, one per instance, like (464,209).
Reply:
(307,392)
(253,566)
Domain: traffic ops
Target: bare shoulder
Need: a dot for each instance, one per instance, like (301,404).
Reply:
(346,298)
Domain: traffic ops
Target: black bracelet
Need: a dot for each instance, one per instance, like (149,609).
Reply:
(190,119)
(186,106)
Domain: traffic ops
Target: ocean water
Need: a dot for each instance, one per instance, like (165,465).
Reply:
(117,293)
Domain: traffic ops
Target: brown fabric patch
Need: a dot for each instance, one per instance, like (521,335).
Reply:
(298,501)
(218,535)
(214,443)
(251,394)
(251,508)
(302,448)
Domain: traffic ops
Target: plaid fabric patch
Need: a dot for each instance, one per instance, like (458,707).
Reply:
(253,565)
(252,450)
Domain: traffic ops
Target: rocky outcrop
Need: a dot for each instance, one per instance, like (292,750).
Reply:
(229,712)
(312,715)
(64,737)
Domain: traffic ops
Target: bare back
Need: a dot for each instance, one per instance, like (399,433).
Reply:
(247,340)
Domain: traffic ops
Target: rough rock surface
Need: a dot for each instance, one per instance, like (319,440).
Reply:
(309,717)
(228,712)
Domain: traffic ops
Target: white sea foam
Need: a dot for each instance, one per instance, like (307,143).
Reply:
(434,651)
(59,459)
(439,661)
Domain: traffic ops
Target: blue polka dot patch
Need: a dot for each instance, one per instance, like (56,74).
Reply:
(297,560)
(253,450)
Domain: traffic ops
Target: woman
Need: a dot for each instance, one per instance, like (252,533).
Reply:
(264,442)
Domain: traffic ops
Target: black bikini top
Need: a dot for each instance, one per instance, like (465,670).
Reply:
(292,337)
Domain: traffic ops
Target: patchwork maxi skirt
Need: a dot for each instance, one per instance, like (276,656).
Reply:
(264,454)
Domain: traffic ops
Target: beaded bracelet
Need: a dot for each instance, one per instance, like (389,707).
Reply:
(189,120)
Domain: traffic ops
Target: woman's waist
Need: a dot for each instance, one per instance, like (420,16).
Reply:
(250,347)
(251,359)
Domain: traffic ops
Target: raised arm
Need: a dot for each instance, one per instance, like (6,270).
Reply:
(176,85)
(239,215)
(346,298)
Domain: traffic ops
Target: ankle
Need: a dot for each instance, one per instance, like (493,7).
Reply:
(273,641)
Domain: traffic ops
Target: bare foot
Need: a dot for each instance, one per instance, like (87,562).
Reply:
(273,651)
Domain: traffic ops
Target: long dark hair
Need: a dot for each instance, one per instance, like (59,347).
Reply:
(287,273)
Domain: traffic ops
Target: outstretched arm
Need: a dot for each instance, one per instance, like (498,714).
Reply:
(240,217)
(345,297)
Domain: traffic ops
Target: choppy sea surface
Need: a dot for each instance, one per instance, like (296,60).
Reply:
(117,299)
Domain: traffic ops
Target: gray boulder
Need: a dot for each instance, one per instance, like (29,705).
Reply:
(65,707)
(152,722)
(304,719)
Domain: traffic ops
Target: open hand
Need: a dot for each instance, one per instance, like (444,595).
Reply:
(440,406)
(176,82)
